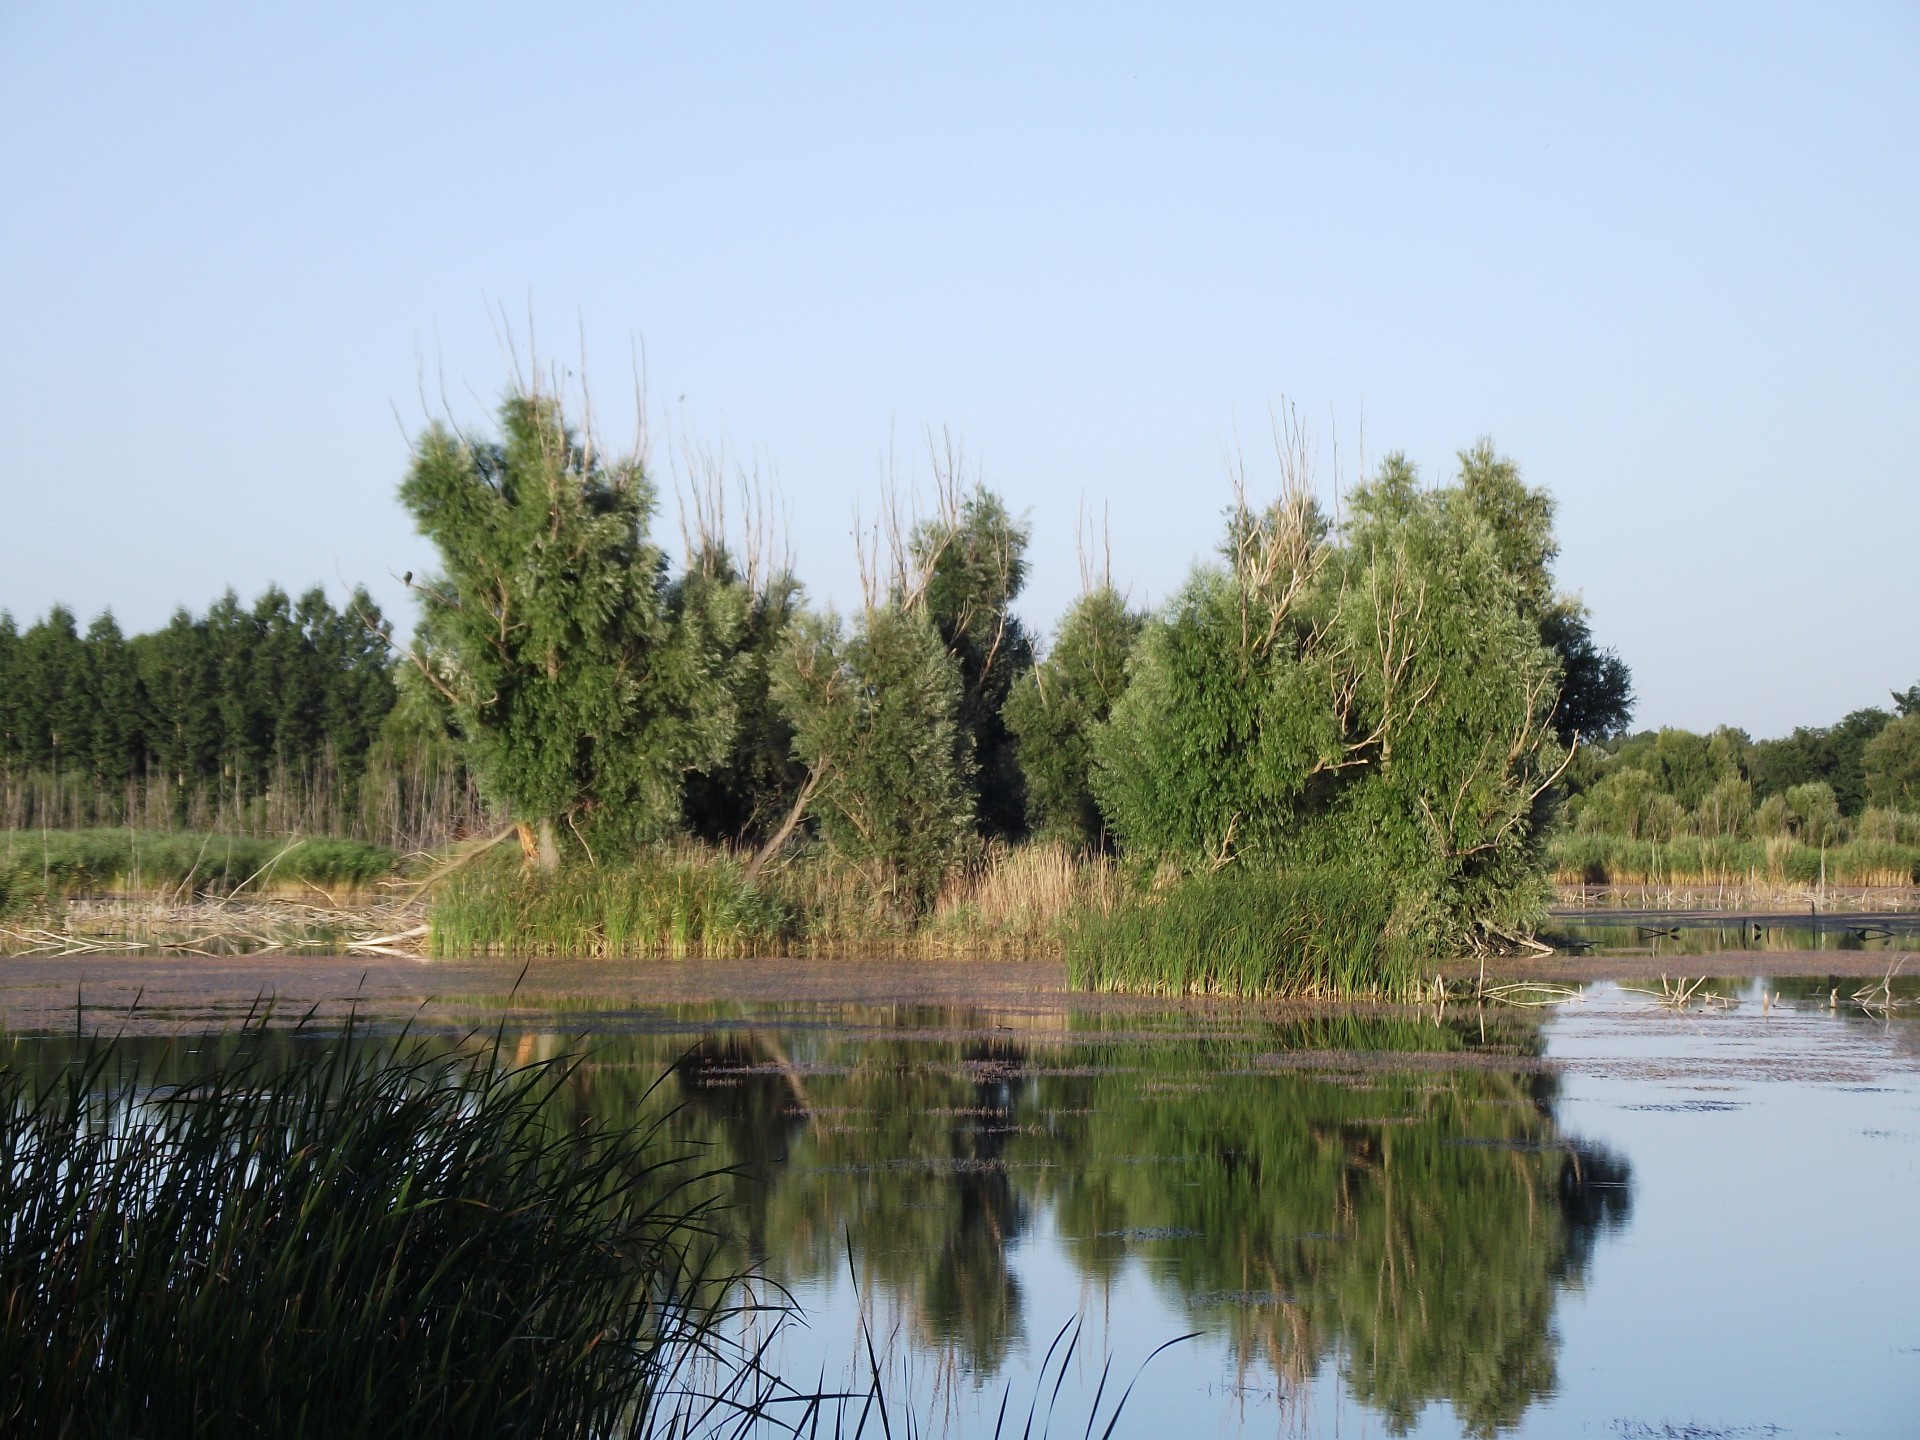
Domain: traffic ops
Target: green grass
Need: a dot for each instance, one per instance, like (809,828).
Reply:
(336,1238)
(673,903)
(40,867)
(1598,859)
(1247,933)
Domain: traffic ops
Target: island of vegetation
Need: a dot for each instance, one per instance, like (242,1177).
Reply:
(1347,745)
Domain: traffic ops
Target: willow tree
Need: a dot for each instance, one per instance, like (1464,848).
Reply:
(966,565)
(1377,699)
(875,718)
(1055,708)
(584,698)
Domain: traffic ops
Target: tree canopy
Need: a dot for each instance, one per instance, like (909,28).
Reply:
(582,693)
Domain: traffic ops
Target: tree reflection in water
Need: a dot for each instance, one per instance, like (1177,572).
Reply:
(1389,1195)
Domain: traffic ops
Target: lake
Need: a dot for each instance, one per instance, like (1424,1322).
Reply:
(1601,1217)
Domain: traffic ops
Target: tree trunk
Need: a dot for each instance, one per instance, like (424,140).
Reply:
(780,836)
(549,851)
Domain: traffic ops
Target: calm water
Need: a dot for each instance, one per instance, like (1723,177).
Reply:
(1600,1219)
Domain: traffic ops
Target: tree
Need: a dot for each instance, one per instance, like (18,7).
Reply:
(1832,755)
(744,797)
(1379,700)
(579,695)
(875,721)
(1892,763)
(116,737)
(971,565)
(1596,689)
(1054,709)
(58,718)
(13,698)
(180,682)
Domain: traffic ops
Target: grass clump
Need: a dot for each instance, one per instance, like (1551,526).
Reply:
(1247,934)
(671,903)
(336,1238)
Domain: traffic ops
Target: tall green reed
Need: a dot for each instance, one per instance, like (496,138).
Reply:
(1247,933)
(341,1238)
(668,903)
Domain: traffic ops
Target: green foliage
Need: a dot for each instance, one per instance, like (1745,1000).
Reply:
(1891,761)
(1596,690)
(1379,702)
(581,691)
(747,794)
(1055,708)
(233,703)
(1248,933)
(1833,754)
(974,564)
(1814,785)
(875,720)
(323,1239)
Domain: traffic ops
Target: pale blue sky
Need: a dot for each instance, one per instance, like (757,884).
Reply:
(1664,255)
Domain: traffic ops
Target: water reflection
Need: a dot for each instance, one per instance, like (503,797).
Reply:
(1391,1196)
(1394,1197)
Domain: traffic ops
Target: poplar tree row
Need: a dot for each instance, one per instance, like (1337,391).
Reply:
(224,704)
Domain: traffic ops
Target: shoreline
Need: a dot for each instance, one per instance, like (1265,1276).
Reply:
(180,994)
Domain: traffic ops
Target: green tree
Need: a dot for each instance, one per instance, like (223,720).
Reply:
(1892,763)
(13,697)
(745,797)
(1833,755)
(1596,688)
(579,695)
(1814,810)
(1055,708)
(180,682)
(972,564)
(58,719)
(1378,700)
(875,721)
(116,740)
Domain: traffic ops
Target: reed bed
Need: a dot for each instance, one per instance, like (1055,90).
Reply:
(1779,861)
(326,1237)
(688,900)
(1248,934)
(673,903)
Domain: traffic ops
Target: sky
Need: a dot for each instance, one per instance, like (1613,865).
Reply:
(1663,255)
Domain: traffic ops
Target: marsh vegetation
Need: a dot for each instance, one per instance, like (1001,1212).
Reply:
(1394,703)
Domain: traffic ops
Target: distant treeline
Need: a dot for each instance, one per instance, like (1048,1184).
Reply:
(262,718)
(1821,784)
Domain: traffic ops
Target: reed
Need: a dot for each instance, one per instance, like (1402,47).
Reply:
(1600,859)
(1248,934)
(678,902)
(694,900)
(315,1236)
